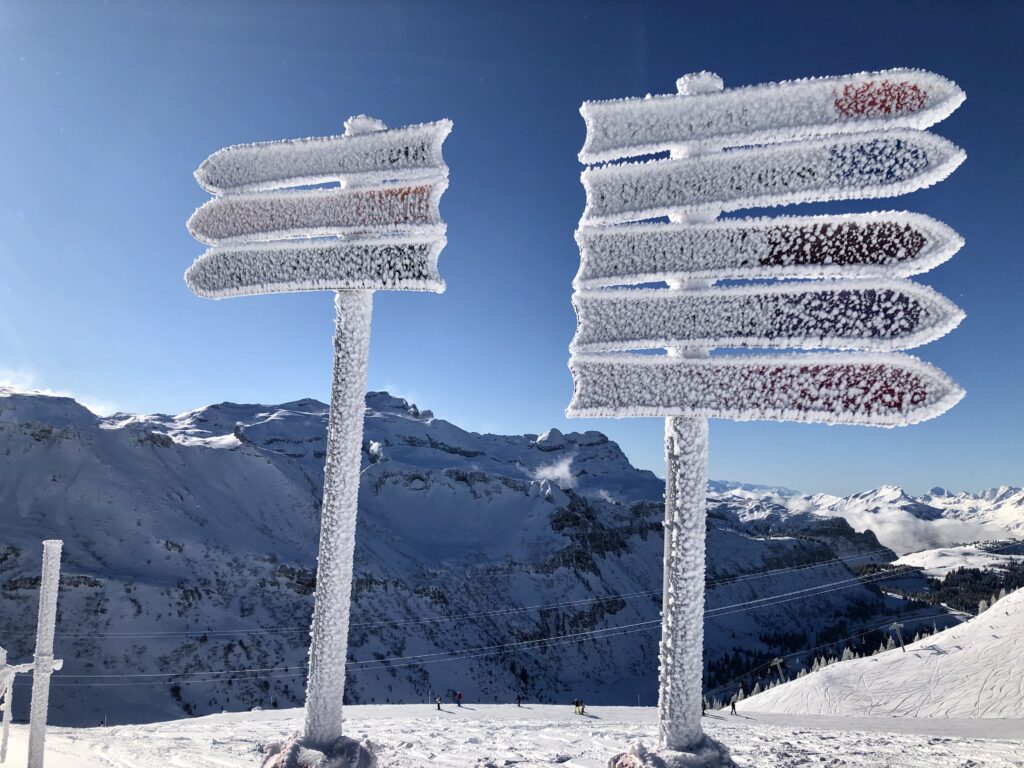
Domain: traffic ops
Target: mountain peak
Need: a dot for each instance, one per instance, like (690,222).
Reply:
(35,407)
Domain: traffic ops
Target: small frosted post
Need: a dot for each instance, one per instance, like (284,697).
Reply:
(329,633)
(6,688)
(44,664)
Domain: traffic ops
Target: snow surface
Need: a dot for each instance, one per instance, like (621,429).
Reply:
(972,670)
(861,166)
(538,736)
(869,389)
(786,111)
(878,315)
(880,244)
(936,563)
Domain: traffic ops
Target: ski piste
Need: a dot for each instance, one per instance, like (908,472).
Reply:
(886,244)
(394,263)
(412,153)
(353,239)
(878,315)
(261,216)
(880,164)
(771,112)
(877,389)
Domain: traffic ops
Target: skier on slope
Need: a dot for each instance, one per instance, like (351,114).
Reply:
(438,702)
(519,700)
(576,706)
(458,698)
(732,704)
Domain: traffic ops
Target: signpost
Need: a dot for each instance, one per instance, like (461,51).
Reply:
(852,137)
(380,230)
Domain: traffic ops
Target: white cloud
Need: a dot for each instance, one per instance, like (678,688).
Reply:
(558,472)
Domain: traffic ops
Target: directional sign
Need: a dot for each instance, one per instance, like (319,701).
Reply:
(362,236)
(892,244)
(329,264)
(407,153)
(850,314)
(759,114)
(317,212)
(865,165)
(877,389)
(843,138)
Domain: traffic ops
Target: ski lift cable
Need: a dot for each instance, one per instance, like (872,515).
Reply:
(501,648)
(458,617)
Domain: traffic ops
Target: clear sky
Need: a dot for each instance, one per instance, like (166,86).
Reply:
(109,107)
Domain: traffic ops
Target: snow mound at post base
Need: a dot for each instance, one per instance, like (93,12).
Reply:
(344,753)
(708,754)
(971,670)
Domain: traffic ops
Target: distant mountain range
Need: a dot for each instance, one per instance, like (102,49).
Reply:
(491,564)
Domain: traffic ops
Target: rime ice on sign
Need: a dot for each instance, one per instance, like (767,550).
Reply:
(380,229)
(840,138)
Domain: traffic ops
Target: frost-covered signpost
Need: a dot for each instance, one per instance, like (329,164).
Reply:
(839,138)
(379,229)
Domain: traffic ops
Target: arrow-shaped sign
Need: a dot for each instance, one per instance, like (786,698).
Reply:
(413,152)
(866,165)
(380,263)
(851,314)
(891,244)
(768,113)
(317,212)
(884,390)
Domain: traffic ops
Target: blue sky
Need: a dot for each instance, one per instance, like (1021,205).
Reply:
(108,108)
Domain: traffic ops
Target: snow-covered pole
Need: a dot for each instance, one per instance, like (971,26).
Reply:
(681,675)
(329,634)
(44,662)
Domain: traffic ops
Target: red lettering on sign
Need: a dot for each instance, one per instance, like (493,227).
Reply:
(872,99)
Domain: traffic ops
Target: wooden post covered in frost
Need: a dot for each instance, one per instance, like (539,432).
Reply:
(379,230)
(44,661)
(681,654)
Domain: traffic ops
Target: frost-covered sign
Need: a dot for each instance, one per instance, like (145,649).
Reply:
(370,223)
(840,138)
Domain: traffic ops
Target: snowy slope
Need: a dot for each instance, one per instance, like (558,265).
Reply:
(936,563)
(1002,506)
(538,736)
(486,563)
(971,670)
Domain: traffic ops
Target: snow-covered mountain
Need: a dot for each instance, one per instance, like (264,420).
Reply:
(490,564)
(971,670)
(906,523)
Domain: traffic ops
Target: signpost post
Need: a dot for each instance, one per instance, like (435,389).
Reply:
(380,230)
(44,664)
(851,137)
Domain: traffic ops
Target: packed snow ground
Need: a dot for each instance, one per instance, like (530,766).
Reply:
(937,563)
(476,736)
(972,670)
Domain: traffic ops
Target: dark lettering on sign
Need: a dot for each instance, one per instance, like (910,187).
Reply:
(881,160)
(873,243)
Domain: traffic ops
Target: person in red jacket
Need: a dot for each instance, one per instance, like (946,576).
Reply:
(458,698)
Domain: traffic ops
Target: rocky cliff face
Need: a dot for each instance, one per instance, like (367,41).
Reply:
(490,564)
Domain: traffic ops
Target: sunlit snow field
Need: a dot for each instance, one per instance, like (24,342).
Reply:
(417,736)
